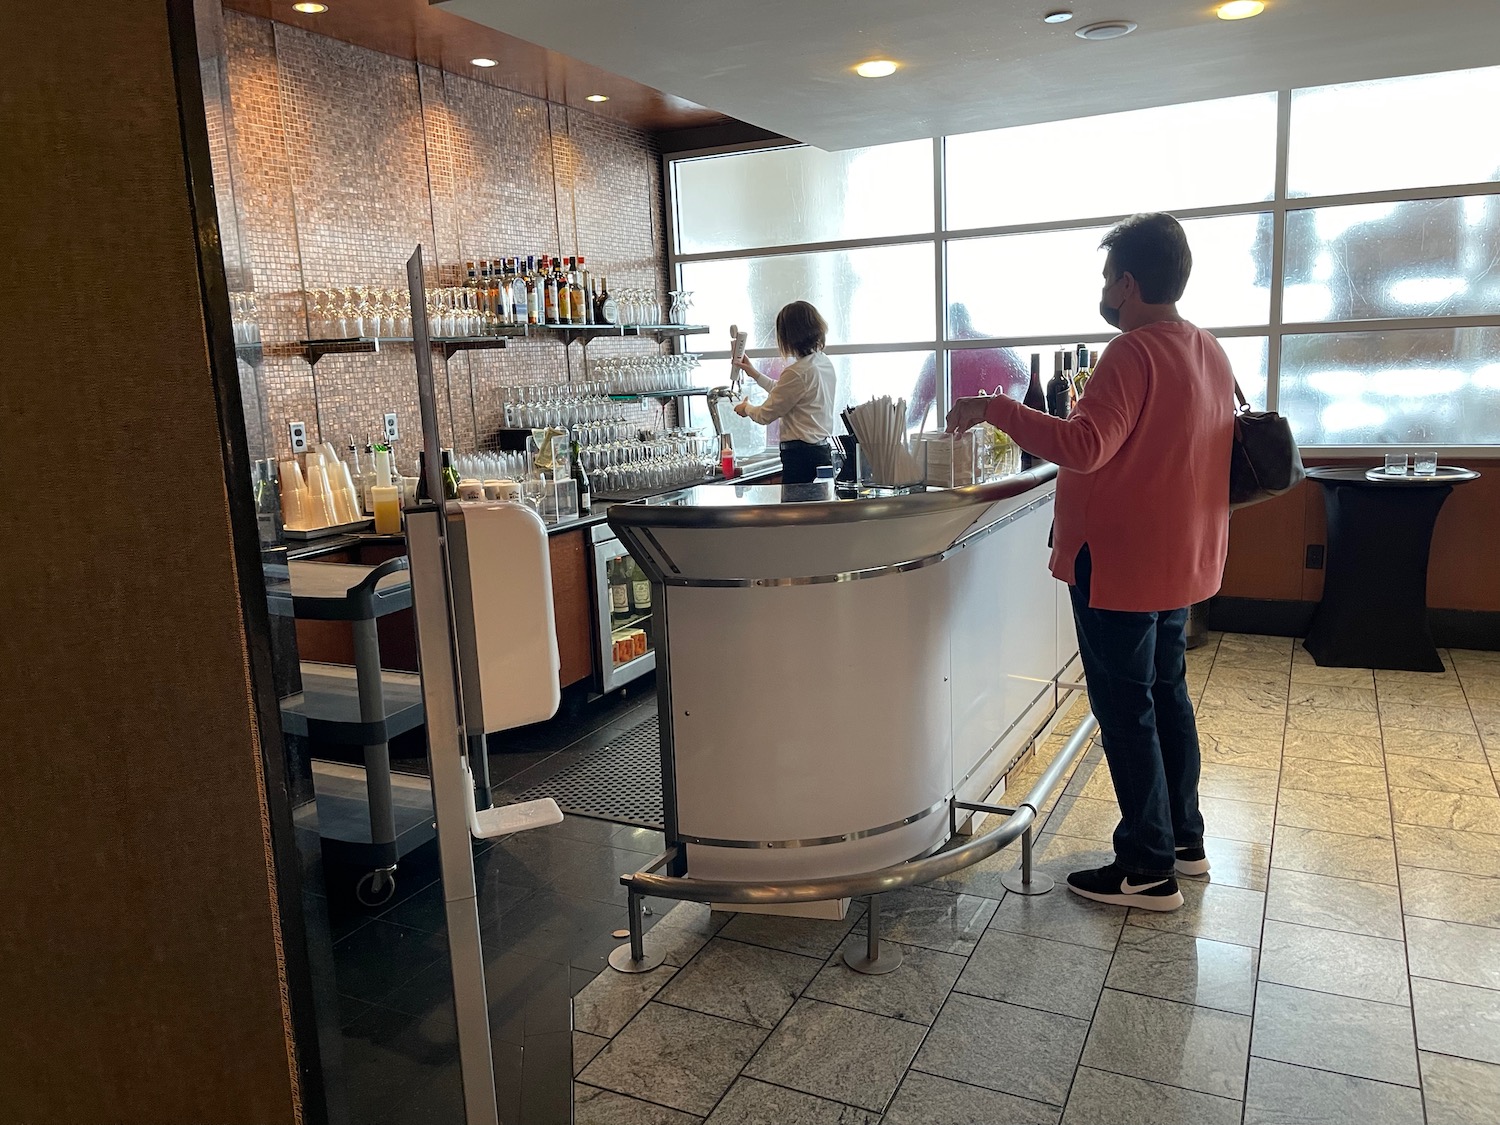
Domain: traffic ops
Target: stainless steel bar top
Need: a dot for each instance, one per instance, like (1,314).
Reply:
(752,505)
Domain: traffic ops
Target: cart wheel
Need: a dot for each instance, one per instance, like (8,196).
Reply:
(376,888)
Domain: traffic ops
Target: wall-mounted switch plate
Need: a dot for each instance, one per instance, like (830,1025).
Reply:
(1315,556)
(392,427)
(299,436)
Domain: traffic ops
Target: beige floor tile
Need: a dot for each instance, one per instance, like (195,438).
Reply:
(1234,750)
(1452,896)
(1334,904)
(1456,1019)
(1450,777)
(1408,716)
(1224,723)
(1435,809)
(1454,952)
(1365,724)
(1310,673)
(1237,863)
(1086,819)
(1445,693)
(1245,697)
(1358,965)
(1233,675)
(1332,698)
(1325,812)
(1369,858)
(1209,910)
(1434,744)
(1326,746)
(1459,1091)
(1470,852)
(1477,660)
(1237,783)
(1390,677)
(1333,777)
(1482,691)
(1249,821)
(1487,719)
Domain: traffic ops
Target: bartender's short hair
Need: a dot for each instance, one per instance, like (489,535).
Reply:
(800,329)
(1154,250)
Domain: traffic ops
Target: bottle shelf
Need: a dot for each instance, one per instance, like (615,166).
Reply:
(315,349)
(636,619)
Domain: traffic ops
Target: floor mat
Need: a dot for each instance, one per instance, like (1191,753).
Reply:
(621,781)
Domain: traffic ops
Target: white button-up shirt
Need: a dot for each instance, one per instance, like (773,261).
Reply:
(802,399)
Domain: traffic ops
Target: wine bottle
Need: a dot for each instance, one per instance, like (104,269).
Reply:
(640,589)
(1058,386)
(619,590)
(1035,399)
(581,479)
(607,312)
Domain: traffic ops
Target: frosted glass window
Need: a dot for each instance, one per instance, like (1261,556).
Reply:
(1432,386)
(1425,257)
(786,196)
(1049,282)
(1424,131)
(1201,154)
(879,295)
(909,375)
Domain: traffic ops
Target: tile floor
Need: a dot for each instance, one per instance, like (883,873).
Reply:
(1342,963)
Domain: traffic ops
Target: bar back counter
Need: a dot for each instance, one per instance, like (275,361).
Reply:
(837,678)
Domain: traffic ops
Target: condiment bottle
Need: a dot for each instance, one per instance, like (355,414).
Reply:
(385,498)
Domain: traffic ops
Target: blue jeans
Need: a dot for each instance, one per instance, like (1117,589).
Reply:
(1136,666)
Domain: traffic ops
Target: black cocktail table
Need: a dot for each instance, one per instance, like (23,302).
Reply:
(1373,613)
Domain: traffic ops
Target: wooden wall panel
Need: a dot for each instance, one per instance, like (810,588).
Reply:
(1268,544)
(572,600)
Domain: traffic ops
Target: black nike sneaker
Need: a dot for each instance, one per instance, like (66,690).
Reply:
(1116,886)
(1192,861)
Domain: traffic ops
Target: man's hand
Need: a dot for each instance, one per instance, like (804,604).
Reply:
(742,407)
(966,414)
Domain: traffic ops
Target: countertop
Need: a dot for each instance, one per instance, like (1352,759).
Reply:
(311,548)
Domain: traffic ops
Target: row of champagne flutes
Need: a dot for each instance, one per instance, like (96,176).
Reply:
(585,402)
(643,374)
(654,462)
(492,465)
(358,310)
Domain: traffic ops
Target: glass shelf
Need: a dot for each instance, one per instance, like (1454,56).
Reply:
(314,350)
(636,619)
(670,392)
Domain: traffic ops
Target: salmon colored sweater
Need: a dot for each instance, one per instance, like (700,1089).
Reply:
(1143,466)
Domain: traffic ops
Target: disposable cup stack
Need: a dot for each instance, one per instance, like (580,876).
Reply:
(880,426)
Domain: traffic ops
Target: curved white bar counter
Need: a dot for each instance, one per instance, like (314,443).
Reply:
(832,674)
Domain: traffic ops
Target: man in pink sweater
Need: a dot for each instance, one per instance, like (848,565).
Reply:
(1141,530)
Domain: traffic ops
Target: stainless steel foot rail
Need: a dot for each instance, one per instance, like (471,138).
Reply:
(633,957)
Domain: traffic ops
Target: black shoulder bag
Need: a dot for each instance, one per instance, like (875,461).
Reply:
(1264,460)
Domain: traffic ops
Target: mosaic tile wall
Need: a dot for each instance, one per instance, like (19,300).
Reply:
(337,161)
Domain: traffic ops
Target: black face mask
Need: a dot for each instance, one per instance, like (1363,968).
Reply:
(1111,315)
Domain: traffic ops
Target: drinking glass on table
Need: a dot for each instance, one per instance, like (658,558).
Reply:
(1424,464)
(1395,464)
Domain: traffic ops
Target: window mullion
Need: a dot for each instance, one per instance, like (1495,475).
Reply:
(1278,248)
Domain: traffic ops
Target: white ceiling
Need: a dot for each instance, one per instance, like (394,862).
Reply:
(784,65)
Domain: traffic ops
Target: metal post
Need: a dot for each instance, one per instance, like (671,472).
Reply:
(1027,881)
(633,958)
(876,961)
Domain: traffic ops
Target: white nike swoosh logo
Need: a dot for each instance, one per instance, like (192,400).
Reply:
(1127,887)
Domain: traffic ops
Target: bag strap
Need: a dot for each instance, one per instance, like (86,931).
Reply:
(1239,394)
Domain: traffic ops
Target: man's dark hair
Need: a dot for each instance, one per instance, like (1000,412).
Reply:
(800,330)
(1154,250)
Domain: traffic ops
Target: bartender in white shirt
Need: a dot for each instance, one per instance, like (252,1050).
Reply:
(802,397)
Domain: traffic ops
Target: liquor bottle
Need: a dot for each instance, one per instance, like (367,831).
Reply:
(1083,360)
(581,479)
(517,291)
(1036,399)
(575,294)
(481,292)
(619,589)
(605,311)
(533,294)
(549,291)
(564,298)
(1058,386)
(472,281)
(584,282)
(450,476)
(640,589)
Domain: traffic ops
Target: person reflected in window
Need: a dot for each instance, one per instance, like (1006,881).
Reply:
(987,370)
(1141,534)
(801,397)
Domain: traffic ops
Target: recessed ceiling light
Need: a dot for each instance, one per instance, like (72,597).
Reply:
(484,62)
(597,98)
(1057,17)
(309,9)
(1240,9)
(1110,29)
(875,68)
